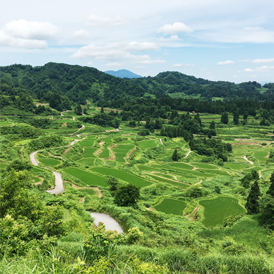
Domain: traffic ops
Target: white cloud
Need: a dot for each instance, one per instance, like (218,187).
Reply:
(89,63)
(28,34)
(189,65)
(228,62)
(81,34)
(177,65)
(258,69)
(8,40)
(174,28)
(172,38)
(253,28)
(113,65)
(31,30)
(204,69)
(270,60)
(135,46)
(95,20)
(116,52)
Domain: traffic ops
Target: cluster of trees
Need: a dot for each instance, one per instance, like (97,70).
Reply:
(261,205)
(21,131)
(211,147)
(102,119)
(124,195)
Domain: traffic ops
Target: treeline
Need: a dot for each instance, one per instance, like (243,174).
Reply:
(176,82)
(102,119)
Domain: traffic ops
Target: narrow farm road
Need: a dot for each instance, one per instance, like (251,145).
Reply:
(248,160)
(187,154)
(109,222)
(161,142)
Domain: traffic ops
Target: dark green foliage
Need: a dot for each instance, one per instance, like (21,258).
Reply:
(78,110)
(271,188)
(46,142)
(211,147)
(267,211)
(22,131)
(236,117)
(102,119)
(224,118)
(252,203)
(112,182)
(255,175)
(212,125)
(175,155)
(18,165)
(127,195)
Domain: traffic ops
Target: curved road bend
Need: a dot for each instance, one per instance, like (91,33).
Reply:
(109,222)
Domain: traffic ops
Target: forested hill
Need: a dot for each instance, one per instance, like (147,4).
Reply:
(63,85)
(59,83)
(177,84)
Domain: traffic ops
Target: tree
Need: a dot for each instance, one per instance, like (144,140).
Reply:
(236,117)
(127,195)
(271,188)
(78,110)
(245,115)
(255,175)
(252,203)
(175,155)
(224,118)
(102,110)
(212,125)
(113,182)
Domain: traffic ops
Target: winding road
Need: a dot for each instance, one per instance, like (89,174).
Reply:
(109,222)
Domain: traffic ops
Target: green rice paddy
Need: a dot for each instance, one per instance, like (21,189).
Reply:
(89,142)
(218,209)
(163,180)
(48,161)
(147,144)
(89,152)
(119,174)
(87,177)
(171,206)
(105,153)
(121,151)
(181,166)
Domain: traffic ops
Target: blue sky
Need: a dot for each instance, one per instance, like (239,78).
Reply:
(213,39)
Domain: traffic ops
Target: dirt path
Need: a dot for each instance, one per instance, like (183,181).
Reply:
(109,222)
(112,155)
(83,127)
(248,160)
(198,182)
(193,214)
(187,154)
(59,188)
(112,130)
(128,156)
(161,142)
(66,151)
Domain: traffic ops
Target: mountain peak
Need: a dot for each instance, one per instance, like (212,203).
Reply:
(123,73)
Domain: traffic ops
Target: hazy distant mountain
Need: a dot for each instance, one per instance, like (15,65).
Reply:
(123,73)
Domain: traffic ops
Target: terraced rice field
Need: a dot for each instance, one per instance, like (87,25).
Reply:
(87,161)
(261,155)
(121,151)
(171,206)
(89,152)
(163,180)
(147,144)
(204,166)
(105,153)
(119,174)
(48,161)
(218,209)
(88,191)
(181,166)
(89,142)
(4,124)
(36,170)
(87,177)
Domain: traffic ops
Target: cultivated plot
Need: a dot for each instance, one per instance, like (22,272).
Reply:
(119,174)
(171,206)
(86,177)
(218,209)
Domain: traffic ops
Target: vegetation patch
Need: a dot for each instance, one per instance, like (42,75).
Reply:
(119,174)
(89,152)
(171,206)
(121,151)
(216,210)
(86,177)
(147,144)
(177,184)
(181,166)
(48,161)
